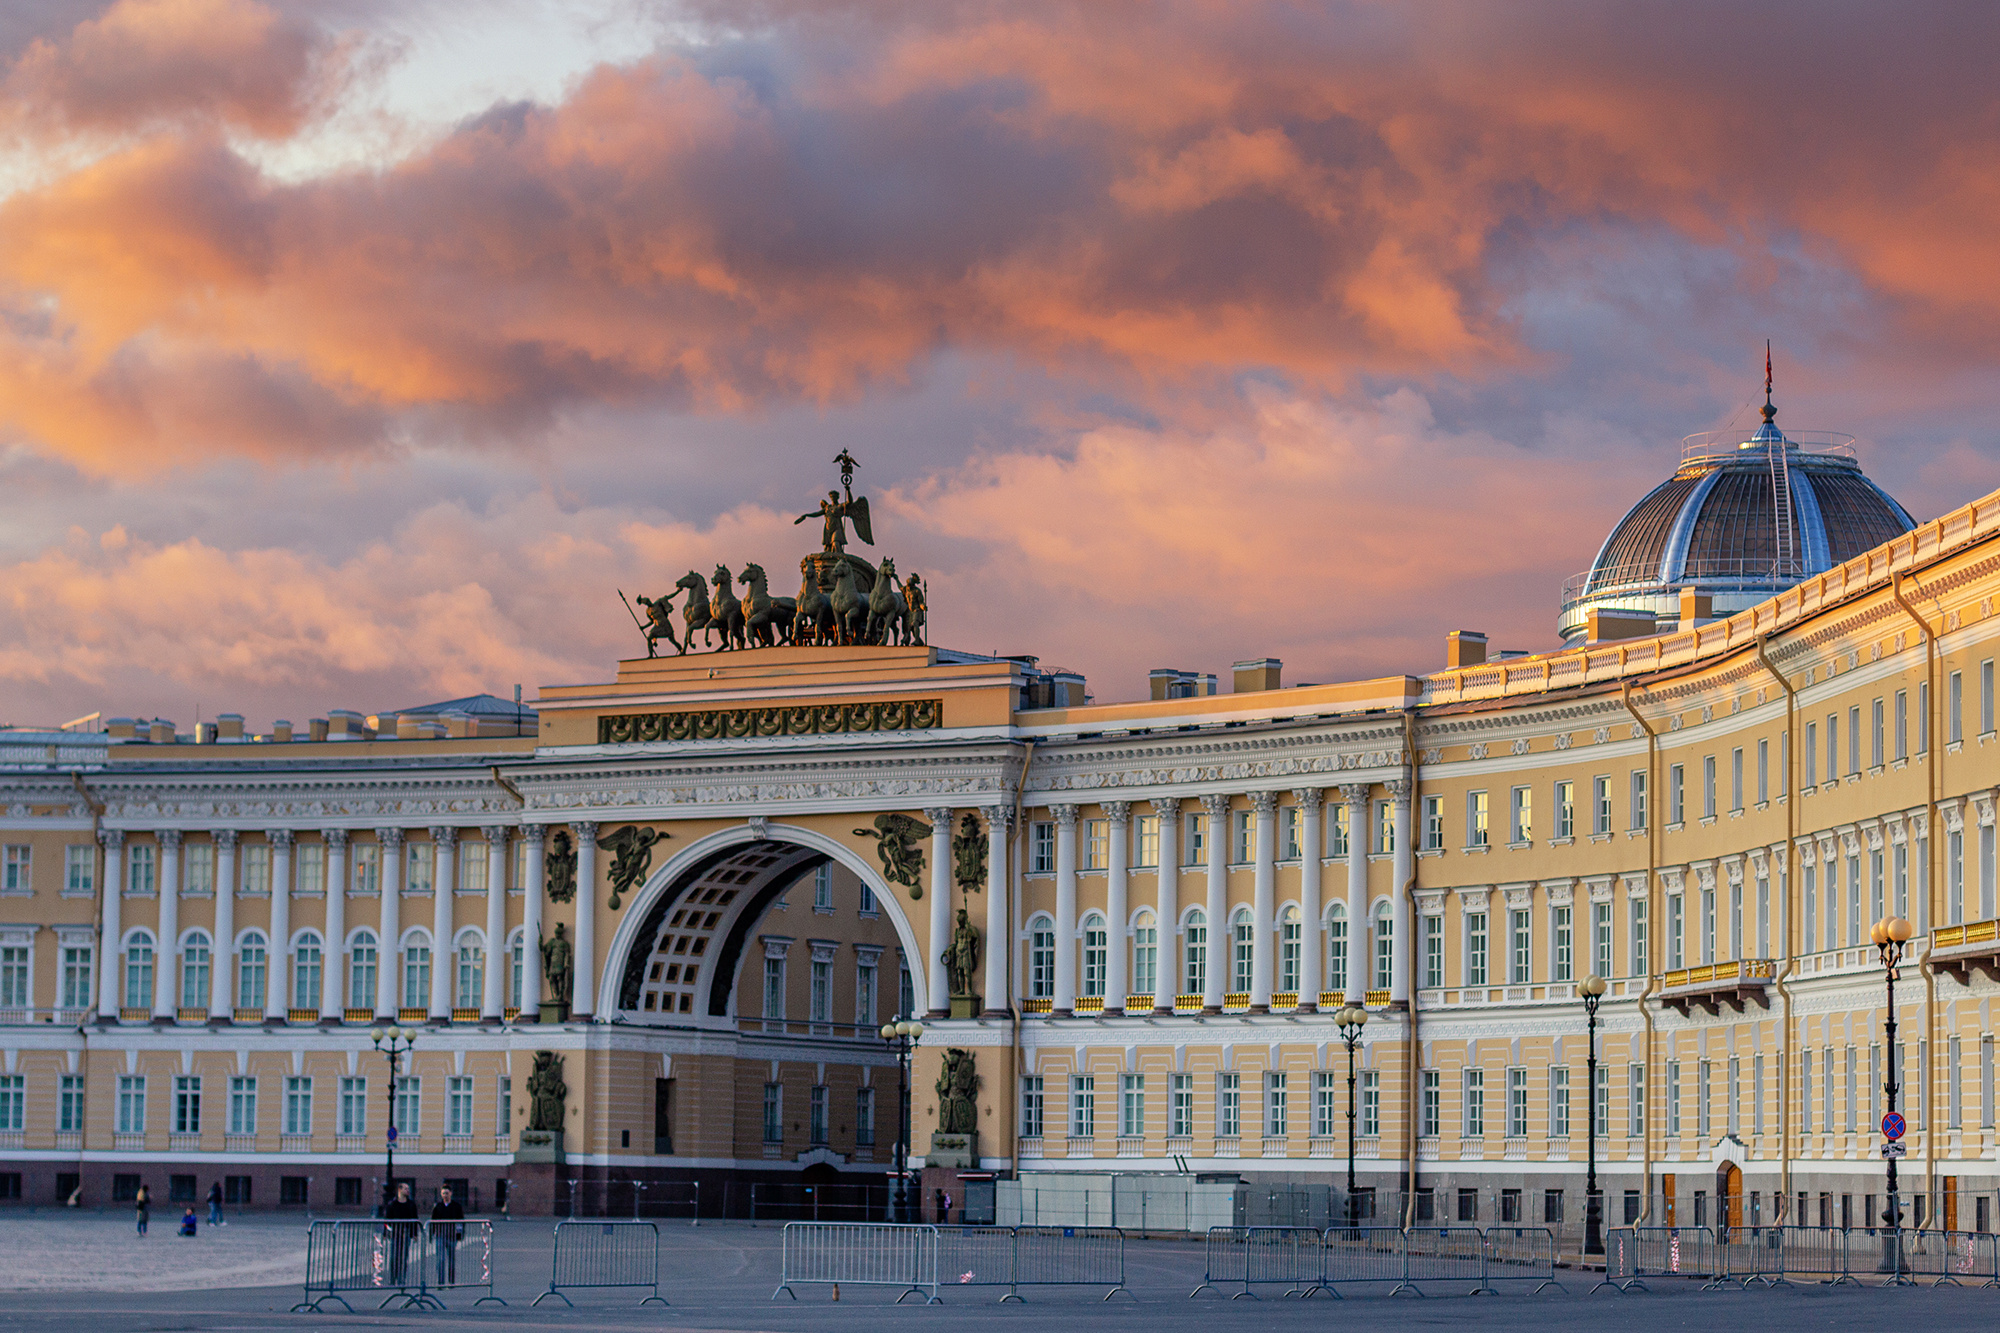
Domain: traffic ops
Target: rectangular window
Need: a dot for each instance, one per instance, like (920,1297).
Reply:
(419,863)
(15,869)
(1031,1107)
(864,995)
(309,873)
(1433,951)
(1676,782)
(472,868)
(1635,1101)
(1521,949)
(1736,780)
(1954,708)
(187,1104)
(1145,957)
(1521,814)
(864,1116)
(1194,840)
(368,869)
(1600,939)
(774,1114)
(1475,1103)
(1673,1097)
(822,991)
(1763,773)
(1600,1102)
(76,976)
(1042,848)
(1563,959)
(1337,830)
(1676,951)
(354,1106)
(1180,1105)
(298,1105)
(1901,725)
(1326,1109)
(242,1106)
(1228,1105)
(1638,798)
(1288,839)
(1708,786)
(1433,823)
(458,1105)
(1923,717)
(1954,1086)
(131,1103)
(1812,754)
(823,887)
(1239,837)
(1986,1082)
(1642,954)
(1275,1108)
(1475,819)
(1986,697)
(416,977)
(1475,948)
(1385,828)
(774,987)
(79,870)
(1832,747)
(1146,841)
(1431,1109)
(1096,844)
(409,1105)
(1371,1103)
(1132,1105)
(816,1115)
(199,871)
(257,870)
(1565,809)
(503,1111)
(13,1104)
(14,978)
(1600,805)
(69,1107)
(139,878)
(1083,1106)
(1876,717)
(1517,1103)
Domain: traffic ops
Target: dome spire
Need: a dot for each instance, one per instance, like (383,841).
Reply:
(1770,412)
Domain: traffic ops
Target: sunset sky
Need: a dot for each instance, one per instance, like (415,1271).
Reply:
(353,353)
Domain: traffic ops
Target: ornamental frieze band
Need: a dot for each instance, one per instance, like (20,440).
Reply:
(799,720)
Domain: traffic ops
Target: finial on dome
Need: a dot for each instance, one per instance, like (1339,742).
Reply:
(1770,412)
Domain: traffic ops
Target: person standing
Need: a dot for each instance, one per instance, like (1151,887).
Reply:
(215,1204)
(401,1215)
(143,1201)
(446,1214)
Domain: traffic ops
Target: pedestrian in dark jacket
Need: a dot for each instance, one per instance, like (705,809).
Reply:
(445,1234)
(401,1215)
(215,1204)
(144,1203)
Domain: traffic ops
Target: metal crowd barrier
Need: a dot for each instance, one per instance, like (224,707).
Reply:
(861,1254)
(605,1254)
(1030,1256)
(1816,1254)
(1353,1256)
(1752,1255)
(1304,1260)
(1248,1256)
(1633,1254)
(409,1261)
(1445,1254)
(1522,1254)
(1953,1257)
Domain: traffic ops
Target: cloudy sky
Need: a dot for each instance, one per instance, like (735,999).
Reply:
(354,353)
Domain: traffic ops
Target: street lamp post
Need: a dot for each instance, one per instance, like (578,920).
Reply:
(902,1035)
(1593,1206)
(394,1043)
(1890,934)
(1351,1018)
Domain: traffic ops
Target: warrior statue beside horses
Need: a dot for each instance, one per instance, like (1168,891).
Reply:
(843,600)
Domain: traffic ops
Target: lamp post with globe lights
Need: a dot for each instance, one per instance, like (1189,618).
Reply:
(1592,990)
(395,1043)
(1351,1018)
(1890,935)
(902,1035)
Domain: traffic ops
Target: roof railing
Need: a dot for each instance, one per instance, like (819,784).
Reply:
(1721,445)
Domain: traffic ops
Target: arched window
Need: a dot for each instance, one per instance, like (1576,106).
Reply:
(1096,955)
(471,971)
(1243,950)
(1385,947)
(251,972)
(361,973)
(306,973)
(1041,959)
(1194,952)
(194,972)
(417,972)
(139,971)
(1336,950)
(516,969)
(1291,931)
(1145,955)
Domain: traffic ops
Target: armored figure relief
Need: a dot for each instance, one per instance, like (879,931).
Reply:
(558,966)
(560,871)
(957,1090)
(968,854)
(961,958)
(898,839)
(546,1091)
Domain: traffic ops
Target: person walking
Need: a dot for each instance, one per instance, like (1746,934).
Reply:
(215,1204)
(401,1215)
(446,1214)
(143,1201)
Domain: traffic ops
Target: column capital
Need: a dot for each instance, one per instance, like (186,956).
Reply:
(1265,803)
(534,834)
(1065,815)
(225,837)
(1355,793)
(278,837)
(586,831)
(389,837)
(444,836)
(1166,807)
(1309,799)
(998,817)
(169,837)
(494,833)
(111,839)
(1216,803)
(1118,812)
(334,837)
(938,816)
(1399,790)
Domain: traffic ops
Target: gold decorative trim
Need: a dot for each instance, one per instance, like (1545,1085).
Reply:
(795,720)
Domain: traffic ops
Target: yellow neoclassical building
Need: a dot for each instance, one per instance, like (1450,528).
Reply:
(1128,927)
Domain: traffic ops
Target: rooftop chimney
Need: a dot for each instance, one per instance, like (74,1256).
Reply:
(122,729)
(281,731)
(1696,607)
(1464,648)
(1259,673)
(1607,625)
(228,727)
(160,732)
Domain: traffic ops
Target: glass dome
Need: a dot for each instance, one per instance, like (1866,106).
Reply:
(1737,522)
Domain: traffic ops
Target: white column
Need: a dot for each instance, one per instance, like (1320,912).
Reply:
(493,994)
(531,921)
(389,956)
(1399,903)
(999,828)
(222,962)
(935,977)
(1264,898)
(1355,794)
(444,958)
(1065,999)
(1166,904)
(108,950)
(278,985)
(583,992)
(166,955)
(333,990)
(1216,984)
(1118,935)
(1312,947)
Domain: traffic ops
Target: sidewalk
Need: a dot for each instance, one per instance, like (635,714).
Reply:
(70,1251)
